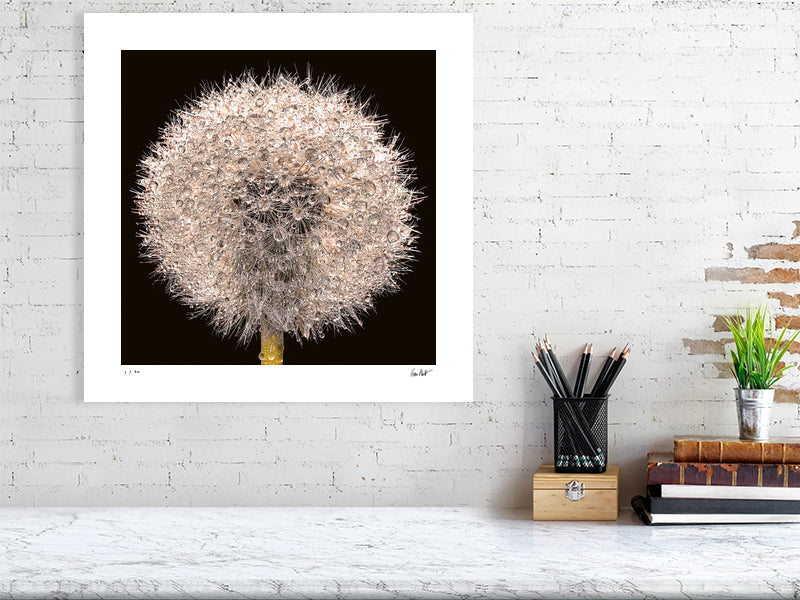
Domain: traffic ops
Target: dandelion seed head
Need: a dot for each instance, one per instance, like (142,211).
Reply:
(277,203)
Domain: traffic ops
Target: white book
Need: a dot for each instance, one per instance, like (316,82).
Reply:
(681,518)
(729,492)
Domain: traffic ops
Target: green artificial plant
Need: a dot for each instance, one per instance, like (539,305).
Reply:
(755,362)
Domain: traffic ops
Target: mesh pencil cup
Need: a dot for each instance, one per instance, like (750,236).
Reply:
(581,434)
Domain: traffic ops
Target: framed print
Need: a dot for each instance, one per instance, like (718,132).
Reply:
(278,190)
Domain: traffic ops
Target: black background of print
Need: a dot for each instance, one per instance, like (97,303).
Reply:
(399,85)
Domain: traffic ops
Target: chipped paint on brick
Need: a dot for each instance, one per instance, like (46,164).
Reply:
(719,321)
(723,370)
(706,346)
(794,347)
(752,275)
(785,395)
(775,252)
(786,300)
(788,321)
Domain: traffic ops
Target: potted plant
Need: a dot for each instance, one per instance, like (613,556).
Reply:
(755,367)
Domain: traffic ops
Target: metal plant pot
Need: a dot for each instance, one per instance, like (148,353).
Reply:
(754,409)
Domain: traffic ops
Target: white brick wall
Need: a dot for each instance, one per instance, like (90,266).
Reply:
(619,149)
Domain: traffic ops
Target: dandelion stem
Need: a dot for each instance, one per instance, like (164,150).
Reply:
(271,346)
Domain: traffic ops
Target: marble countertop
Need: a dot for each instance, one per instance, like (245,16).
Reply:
(383,553)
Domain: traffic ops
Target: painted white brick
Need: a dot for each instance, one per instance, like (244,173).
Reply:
(65,246)
(40,15)
(50,88)
(46,269)
(56,476)
(658,136)
(50,293)
(773,114)
(56,109)
(746,36)
(49,134)
(94,474)
(771,161)
(513,111)
(764,137)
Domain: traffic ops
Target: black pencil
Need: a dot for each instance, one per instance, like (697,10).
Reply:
(583,370)
(614,373)
(539,354)
(545,374)
(607,379)
(572,441)
(577,444)
(579,374)
(582,431)
(547,360)
(602,375)
(559,370)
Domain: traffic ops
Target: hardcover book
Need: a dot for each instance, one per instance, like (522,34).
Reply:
(662,468)
(689,448)
(640,505)
(721,506)
(740,492)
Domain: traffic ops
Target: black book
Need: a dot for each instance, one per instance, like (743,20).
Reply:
(729,506)
(642,507)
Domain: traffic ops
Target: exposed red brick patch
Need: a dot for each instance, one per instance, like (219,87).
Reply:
(784,395)
(796,233)
(794,347)
(705,346)
(723,370)
(788,321)
(786,300)
(775,252)
(753,275)
(719,322)
(781,321)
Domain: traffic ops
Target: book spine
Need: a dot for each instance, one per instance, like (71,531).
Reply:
(639,504)
(717,451)
(707,506)
(730,474)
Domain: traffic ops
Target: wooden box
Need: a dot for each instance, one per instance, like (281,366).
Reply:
(575,496)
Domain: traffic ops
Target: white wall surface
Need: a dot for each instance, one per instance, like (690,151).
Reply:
(624,153)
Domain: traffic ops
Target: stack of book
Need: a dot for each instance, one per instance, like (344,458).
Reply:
(722,480)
